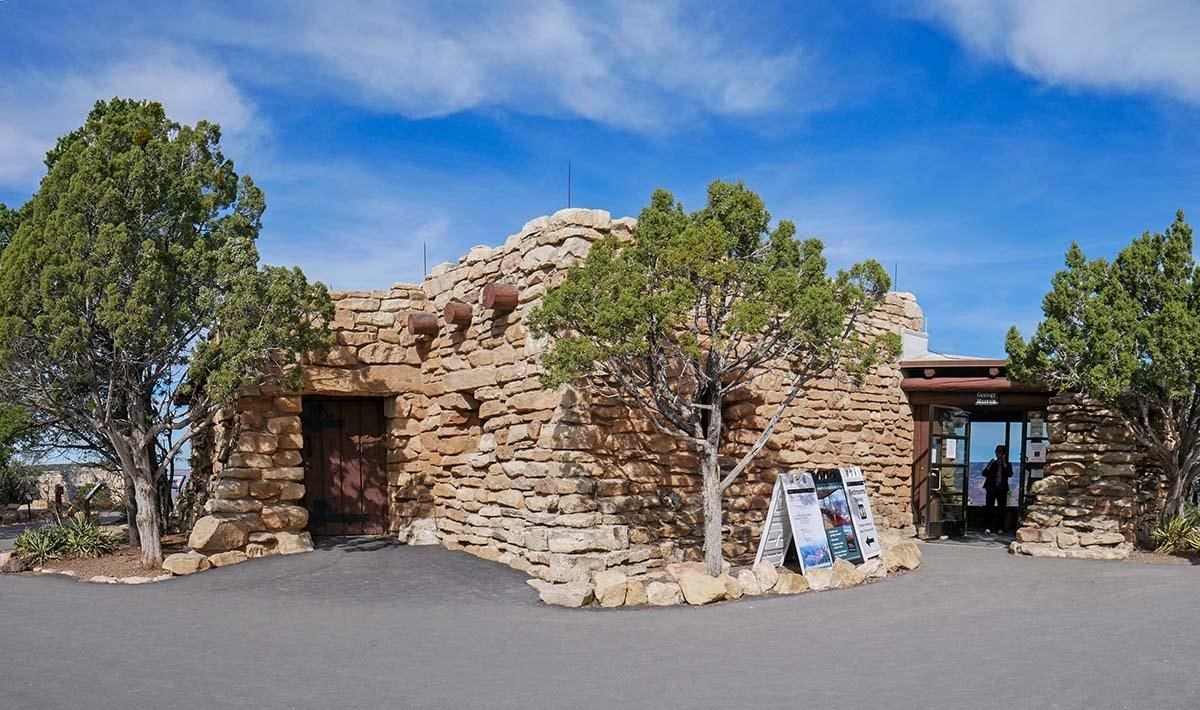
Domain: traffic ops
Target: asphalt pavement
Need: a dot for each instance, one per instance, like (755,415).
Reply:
(370,624)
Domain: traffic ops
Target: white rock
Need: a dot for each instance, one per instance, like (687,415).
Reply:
(610,587)
(749,582)
(767,576)
(663,594)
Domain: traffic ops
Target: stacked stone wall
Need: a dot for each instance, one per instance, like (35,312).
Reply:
(557,483)
(1087,505)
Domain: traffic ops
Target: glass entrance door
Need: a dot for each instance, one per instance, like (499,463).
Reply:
(949,454)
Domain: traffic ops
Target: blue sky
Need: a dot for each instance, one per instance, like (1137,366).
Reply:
(964,144)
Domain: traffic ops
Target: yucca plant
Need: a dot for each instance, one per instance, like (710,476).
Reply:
(1180,533)
(39,545)
(85,538)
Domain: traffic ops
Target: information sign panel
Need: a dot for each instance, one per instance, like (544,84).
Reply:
(794,516)
(860,512)
(835,515)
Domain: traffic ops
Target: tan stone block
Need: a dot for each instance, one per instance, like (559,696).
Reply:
(290,473)
(284,425)
(534,401)
(242,459)
(253,442)
(465,380)
(358,304)
(284,517)
(231,489)
(290,457)
(379,319)
(290,404)
(291,441)
(382,354)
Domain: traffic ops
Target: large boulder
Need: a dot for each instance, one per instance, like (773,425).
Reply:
(700,589)
(610,587)
(903,555)
(211,534)
(790,583)
(663,593)
(284,517)
(11,564)
(289,543)
(733,590)
(182,563)
(224,559)
(635,593)
(819,579)
(845,574)
(767,576)
(570,594)
(749,583)
(873,569)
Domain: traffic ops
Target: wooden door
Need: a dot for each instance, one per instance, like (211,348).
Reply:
(345,479)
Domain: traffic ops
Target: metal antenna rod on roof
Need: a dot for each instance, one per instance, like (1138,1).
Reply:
(425,257)
(568,183)
(896,277)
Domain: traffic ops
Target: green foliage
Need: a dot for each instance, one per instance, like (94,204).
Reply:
(103,500)
(36,546)
(717,283)
(1179,533)
(1127,333)
(70,540)
(85,538)
(16,482)
(132,287)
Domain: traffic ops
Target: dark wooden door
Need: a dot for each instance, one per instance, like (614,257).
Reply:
(345,479)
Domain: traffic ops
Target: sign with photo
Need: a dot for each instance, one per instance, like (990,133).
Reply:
(835,515)
(795,517)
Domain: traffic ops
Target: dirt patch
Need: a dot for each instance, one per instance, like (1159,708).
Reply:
(1159,558)
(125,562)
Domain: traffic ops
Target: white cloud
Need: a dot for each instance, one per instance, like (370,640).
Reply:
(1132,45)
(635,65)
(41,107)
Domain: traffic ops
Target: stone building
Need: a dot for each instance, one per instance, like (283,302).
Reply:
(427,421)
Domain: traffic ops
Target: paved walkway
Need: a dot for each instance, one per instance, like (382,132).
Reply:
(375,625)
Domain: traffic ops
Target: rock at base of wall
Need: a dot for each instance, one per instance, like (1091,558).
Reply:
(635,593)
(700,589)
(211,534)
(733,590)
(873,569)
(610,588)
(571,594)
(255,550)
(767,576)
(288,543)
(845,574)
(1119,552)
(182,563)
(749,583)
(663,594)
(225,559)
(790,583)
(819,579)
(422,531)
(11,564)
(903,555)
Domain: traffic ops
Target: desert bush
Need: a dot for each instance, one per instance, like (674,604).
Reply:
(72,539)
(1180,533)
(16,482)
(85,538)
(39,545)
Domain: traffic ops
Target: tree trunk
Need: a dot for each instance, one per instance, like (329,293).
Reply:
(713,557)
(131,508)
(146,493)
(1177,489)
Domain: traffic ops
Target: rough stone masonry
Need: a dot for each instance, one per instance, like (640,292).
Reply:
(559,484)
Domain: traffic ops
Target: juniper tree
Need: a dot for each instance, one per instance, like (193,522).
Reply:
(132,305)
(701,304)
(1127,333)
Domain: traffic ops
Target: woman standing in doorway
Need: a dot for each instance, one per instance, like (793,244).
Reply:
(995,484)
